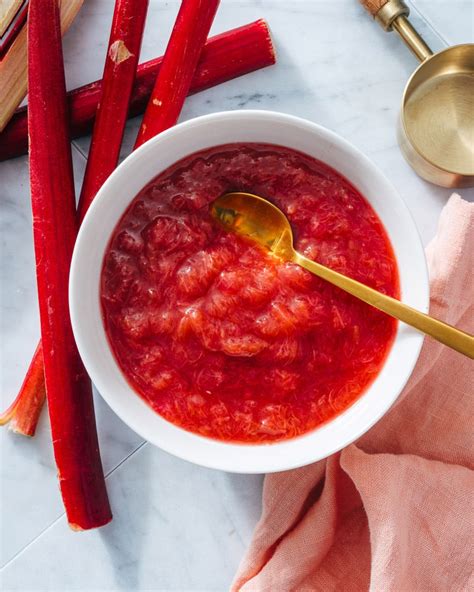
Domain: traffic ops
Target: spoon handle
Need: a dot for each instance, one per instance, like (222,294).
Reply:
(450,336)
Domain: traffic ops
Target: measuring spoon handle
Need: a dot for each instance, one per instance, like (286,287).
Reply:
(393,14)
(450,336)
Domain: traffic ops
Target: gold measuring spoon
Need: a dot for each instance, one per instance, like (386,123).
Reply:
(436,125)
(258,219)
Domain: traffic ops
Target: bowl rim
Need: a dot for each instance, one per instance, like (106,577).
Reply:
(228,456)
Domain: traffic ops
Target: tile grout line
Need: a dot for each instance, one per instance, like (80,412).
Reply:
(128,457)
(40,534)
(23,549)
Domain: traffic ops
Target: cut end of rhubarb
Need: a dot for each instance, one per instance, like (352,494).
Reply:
(18,424)
(77,528)
(271,45)
(15,427)
(23,414)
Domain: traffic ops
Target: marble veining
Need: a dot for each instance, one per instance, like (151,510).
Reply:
(178,526)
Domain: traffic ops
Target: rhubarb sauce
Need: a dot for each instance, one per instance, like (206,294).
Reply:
(221,338)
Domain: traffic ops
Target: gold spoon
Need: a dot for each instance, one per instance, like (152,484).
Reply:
(258,219)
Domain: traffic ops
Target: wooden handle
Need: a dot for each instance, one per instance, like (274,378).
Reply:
(450,336)
(8,10)
(13,64)
(386,12)
(373,6)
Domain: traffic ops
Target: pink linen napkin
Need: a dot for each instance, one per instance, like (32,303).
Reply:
(394,511)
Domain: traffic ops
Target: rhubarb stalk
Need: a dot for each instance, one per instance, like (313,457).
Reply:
(224,57)
(117,82)
(68,387)
(186,43)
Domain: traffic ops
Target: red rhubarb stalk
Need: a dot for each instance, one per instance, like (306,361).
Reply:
(186,43)
(224,57)
(117,82)
(23,414)
(68,387)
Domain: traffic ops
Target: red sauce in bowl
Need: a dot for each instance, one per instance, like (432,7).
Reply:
(221,338)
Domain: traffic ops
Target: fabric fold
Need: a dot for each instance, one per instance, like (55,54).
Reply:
(415,508)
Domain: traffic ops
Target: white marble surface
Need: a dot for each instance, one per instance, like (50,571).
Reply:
(177,526)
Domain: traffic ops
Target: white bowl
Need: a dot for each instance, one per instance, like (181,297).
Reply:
(117,193)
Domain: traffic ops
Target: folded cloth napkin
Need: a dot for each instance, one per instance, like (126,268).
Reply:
(394,511)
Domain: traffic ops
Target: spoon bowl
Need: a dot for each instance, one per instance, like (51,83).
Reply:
(259,220)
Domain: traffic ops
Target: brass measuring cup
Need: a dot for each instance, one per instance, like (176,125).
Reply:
(436,124)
